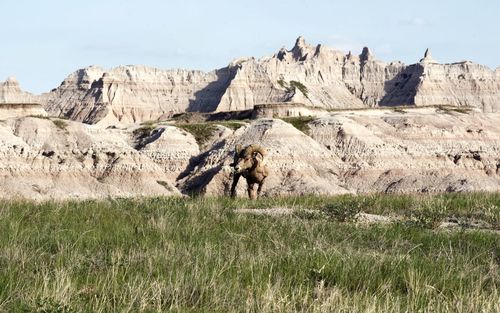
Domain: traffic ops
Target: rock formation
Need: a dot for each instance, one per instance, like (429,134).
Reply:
(373,150)
(428,57)
(16,103)
(10,92)
(297,163)
(316,76)
(133,94)
(43,158)
(419,150)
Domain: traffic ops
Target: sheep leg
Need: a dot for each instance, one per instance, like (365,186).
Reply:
(251,191)
(236,177)
(260,188)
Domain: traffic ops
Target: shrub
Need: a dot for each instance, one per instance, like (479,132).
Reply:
(144,131)
(301,122)
(344,209)
(450,109)
(60,124)
(293,86)
(282,83)
(298,85)
(201,131)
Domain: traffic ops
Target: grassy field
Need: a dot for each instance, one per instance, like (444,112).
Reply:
(199,255)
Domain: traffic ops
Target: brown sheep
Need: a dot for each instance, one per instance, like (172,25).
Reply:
(249,163)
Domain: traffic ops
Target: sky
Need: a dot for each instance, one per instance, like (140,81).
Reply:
(43,41)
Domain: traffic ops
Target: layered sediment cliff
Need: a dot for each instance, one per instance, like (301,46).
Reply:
(132,94)
(414,150)
(389,151)
(10,92)
(316,76)
(16,103)
(44,158)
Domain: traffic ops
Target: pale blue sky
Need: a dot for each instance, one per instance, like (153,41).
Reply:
(45,40)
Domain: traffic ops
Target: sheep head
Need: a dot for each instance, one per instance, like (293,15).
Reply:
(248,158)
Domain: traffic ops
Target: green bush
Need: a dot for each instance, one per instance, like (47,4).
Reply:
(144,131)
(301,122)
(202,132)
(60,124)
(298,85)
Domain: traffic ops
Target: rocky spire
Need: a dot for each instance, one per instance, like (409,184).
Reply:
(301,50)
(366,55)
(10,92)
(282,54)
(300,42)
(428,57)
(11,82)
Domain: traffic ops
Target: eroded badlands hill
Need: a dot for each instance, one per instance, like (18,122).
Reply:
(392,150)
(16,103)
(422,150)
(10,92)
(45,158)
(313,75)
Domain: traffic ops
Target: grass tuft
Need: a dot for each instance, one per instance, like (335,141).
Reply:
(294,85)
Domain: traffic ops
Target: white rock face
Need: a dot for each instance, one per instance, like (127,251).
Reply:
(298,164)
(421,150)
(415,150)
(132,94)
(54,159)
(316,76)
(305,74)
(460,84)
(16,103)
(20,110)
(171,148)
(10,92)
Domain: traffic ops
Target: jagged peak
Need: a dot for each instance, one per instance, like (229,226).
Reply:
(240,61)
(89,69)
(11,83)
(300,42)
(282,54)
(366,54)
(84,75)
(12,79)
(301,51)
(428,57)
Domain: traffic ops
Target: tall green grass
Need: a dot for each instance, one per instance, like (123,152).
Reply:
(199,255)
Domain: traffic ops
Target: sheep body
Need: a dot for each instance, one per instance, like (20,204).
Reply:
(249,163)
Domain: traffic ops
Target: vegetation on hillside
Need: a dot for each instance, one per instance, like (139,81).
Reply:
(450,109)
(293,86)
(300,122)
(298,85)
(202,132)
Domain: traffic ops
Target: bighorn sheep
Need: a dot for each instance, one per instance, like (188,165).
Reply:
(249,163)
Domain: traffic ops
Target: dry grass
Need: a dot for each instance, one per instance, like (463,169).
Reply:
(198,255)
